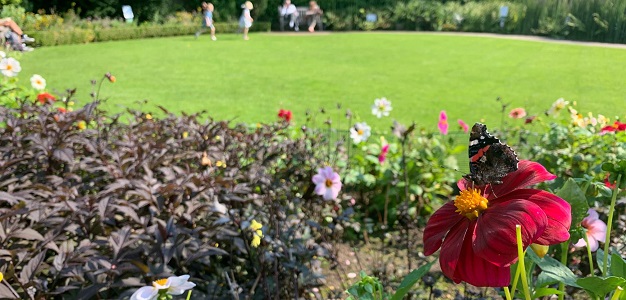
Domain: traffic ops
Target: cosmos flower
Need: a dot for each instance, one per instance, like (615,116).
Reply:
(327,183)
(383,151)
(443,122)
(476,231)
(38,82)
(463,125)
(517,113)
(10,67)
(174,285)
(381,107)
(557,106)
(596,231)
(360,132)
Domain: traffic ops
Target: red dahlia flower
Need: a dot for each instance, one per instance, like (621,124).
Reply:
(617,126)
(476,232)
(45,97)
(285,115)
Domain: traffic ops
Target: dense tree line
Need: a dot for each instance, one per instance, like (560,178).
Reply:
(153,10)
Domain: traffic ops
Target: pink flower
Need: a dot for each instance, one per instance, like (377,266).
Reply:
(517,113)
(443,122)
(327,183)
(476,231)
(596,231)
(383,153)
(463,125)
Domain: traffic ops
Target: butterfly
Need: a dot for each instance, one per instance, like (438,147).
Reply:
(490,159)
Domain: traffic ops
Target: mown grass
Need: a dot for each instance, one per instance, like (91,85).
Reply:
(420,73)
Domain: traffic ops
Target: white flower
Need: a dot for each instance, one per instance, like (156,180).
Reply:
(174,285)
(381,107)
(38,82)
(557,106)
(360,132)
(10,67)
(3,54)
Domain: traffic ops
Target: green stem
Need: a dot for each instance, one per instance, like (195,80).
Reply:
(609,224)
(618,292)
(589,254)
(564,248)
(189,295)
(515,279)
(507,293)
(520,264)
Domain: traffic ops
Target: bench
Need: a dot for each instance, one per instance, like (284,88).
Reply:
(301,21)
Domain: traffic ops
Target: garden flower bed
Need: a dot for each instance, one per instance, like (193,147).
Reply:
(101,206)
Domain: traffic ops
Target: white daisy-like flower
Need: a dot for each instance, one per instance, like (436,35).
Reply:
(557,106)
(360,132)
(3,54)
(174,285)
(10,67)
(381,107)
(38,82)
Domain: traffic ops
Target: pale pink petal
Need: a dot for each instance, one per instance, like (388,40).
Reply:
(318,179)
(597,230)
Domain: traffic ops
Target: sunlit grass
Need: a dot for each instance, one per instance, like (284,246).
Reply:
(420,74)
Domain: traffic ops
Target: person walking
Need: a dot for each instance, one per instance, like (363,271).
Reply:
(245,21)
(207,20)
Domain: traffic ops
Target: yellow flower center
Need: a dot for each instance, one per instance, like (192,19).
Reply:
(160,282)
(329,183)
(381,107)
(38,82)
(9,67)
(360,131)
(470,203)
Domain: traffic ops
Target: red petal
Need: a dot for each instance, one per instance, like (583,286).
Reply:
(557,210)
(438,226)
(476,271)
(528,173)
(452,248)
(494,239)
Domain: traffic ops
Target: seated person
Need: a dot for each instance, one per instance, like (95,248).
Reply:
(288,12)
(314,15)
(14,35)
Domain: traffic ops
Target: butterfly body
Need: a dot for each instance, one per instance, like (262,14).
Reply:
(490,159)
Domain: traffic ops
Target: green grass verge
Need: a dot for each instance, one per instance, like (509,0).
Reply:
(420,73)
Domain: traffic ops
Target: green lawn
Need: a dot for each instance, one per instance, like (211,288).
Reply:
(420,73)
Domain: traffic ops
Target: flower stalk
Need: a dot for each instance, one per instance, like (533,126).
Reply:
(520,264)
(609,224)
(589,254)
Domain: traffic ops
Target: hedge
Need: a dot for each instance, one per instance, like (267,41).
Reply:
(82,36)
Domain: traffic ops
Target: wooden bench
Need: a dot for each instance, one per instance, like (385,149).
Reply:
(301,21)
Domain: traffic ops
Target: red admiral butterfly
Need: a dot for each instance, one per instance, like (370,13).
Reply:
(490,159)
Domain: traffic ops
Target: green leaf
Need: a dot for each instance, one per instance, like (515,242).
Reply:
(369,288)
(599,287)
(353,291)
(554,269)
(546,292)
(618,266)
(609,167)
(410,280)
(543,280)
(571,193)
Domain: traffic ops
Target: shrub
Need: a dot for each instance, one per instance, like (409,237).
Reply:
(90,210)
(80,36)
